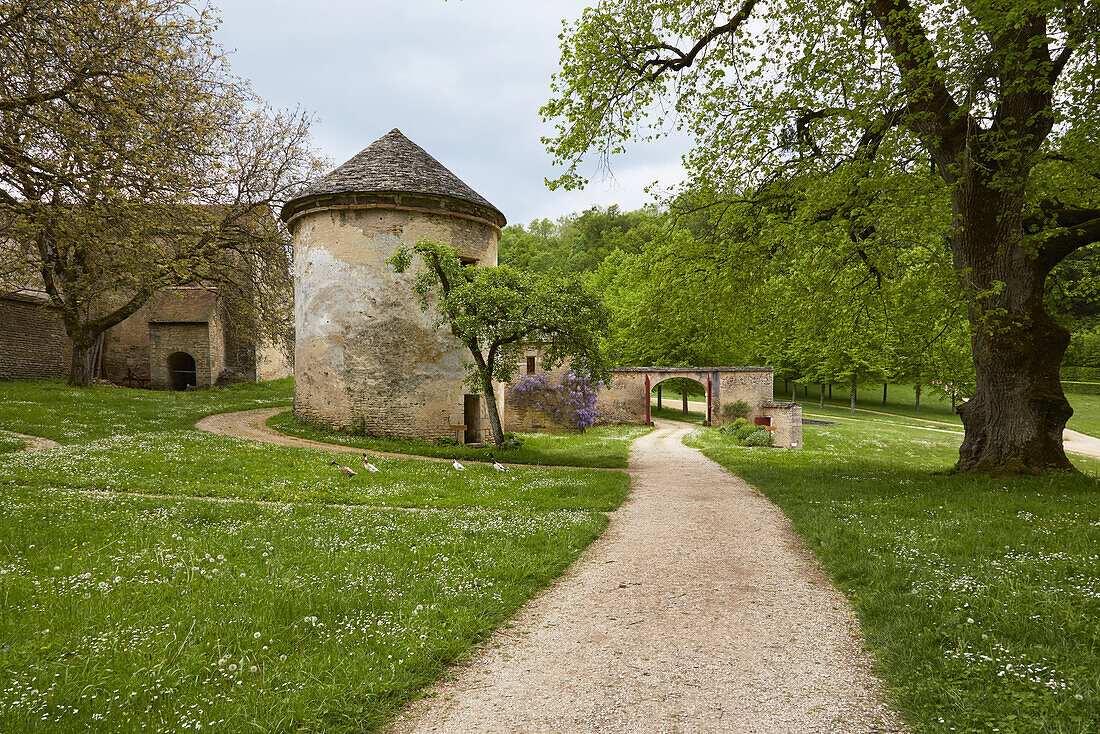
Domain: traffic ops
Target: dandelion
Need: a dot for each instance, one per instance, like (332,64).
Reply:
(253,669)
(282,658)
(232,667)
(970,620)
(255,635)
(1078,697)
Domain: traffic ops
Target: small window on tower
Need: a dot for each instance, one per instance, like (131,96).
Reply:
(530,365)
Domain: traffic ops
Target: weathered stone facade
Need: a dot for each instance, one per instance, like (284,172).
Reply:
(365,356)
(33,343)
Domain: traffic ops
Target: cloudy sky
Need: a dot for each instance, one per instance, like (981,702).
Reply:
(464,79)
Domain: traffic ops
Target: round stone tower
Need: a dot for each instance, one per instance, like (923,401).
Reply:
(365,355)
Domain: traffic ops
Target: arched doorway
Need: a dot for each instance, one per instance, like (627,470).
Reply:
(681,392)
(181,370)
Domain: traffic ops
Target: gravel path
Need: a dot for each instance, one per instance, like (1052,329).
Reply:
(699,610)
(34,443)
(252,424)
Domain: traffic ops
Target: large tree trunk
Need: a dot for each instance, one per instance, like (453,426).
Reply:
(1015,420)
(821,397)
(853,396)
(916,390)
(82,366)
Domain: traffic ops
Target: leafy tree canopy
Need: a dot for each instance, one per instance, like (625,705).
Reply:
(496,311)
(836,107)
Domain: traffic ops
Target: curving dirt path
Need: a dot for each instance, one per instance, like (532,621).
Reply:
(34,443)
(252,424)
(699,610)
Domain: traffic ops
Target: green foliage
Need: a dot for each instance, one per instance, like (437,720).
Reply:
(848,151)
(496,311)
(759,438)
(738,410)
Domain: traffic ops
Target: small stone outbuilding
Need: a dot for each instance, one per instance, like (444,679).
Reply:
(365,356)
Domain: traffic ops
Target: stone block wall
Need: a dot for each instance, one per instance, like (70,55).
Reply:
(33,342)
(786,419)
(168,338)
(751,384)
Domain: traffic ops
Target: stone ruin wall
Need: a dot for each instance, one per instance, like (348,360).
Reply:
(365,356)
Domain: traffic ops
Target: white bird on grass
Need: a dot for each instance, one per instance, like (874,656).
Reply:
(370,467)
(455,464)
(344,469)
(497,465)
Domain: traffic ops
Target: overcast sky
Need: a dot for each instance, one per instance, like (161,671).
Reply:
(463,79)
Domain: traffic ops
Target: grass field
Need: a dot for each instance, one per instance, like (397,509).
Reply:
(51,409)
(603,446)
(934,406)
(979,598)
(676,414)
(9,443)
(204,608)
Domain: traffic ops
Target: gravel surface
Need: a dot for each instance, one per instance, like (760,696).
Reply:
(34,443)
(699,610)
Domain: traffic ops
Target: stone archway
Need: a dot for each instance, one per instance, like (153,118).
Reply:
(181,371)
(626,398)
(707,385)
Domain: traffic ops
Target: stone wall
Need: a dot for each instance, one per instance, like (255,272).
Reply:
(623,400)
(786,419)
(33,342)
(751,384)
(167,338)
(365,355)
(529,419)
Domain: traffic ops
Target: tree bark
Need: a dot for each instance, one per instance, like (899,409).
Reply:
(853,400)
(82,366)
(684,394)
(658,397)
(821,397)
(490,395)
(884,386)
(1015,419)
(794,392)
(916,389)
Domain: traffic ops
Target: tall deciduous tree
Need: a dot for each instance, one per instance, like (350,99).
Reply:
(131,160)
(997,97)
(495,311)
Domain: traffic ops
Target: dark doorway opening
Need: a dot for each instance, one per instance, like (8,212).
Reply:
(471,416)
(181,371)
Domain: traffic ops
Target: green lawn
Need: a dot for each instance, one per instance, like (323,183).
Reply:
(979,598)
(54,410)
(676,414)
(207,465)
(604,446)
(128,613)
(1086,408)
(9,443)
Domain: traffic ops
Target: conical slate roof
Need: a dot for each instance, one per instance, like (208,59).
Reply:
(393,163)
